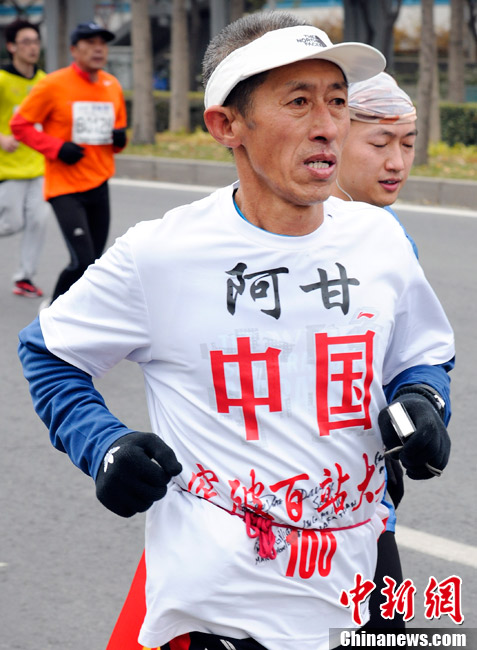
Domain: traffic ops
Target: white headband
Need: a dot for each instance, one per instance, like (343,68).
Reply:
(380,100)
(284,46)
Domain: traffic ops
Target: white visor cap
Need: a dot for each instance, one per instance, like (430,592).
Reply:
(287,45)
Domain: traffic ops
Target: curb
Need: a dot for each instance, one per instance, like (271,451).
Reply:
(418,189)
(175,170)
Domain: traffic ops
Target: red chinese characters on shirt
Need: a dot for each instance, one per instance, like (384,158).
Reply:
(331,495)
(293,495)
(311,551)
(247,498)
(201,483)
(334,492)
(337,360)
(344,361)
(248,400)
(363,486)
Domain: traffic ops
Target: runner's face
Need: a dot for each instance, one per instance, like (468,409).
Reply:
(26,48)
(376,161)
(295,130)
(90,54)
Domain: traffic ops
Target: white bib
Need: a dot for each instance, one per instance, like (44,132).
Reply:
(93,122)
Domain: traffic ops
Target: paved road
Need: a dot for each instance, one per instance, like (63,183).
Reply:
(66,562)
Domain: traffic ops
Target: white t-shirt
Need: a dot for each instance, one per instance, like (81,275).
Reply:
(264,358)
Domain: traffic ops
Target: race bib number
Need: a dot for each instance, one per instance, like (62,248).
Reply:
(93,122)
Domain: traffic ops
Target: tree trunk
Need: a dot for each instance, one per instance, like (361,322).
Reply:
(472,19)
(179,114)
(219,16)
(357,26)
(143,114)
(427,55)
(63,43)
(371,22)
(391,10)
(195,68)
(237,9)
(435,133)
(456,67)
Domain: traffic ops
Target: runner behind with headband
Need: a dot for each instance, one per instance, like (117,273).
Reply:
(383,133)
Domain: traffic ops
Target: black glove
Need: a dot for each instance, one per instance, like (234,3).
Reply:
(425,452)
(119,138)
(395,481)
(135,472)
(70,153)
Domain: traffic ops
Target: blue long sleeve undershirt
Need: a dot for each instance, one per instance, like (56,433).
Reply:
(65,398)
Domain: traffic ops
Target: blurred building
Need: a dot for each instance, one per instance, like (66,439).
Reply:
(57,19)
(206,17)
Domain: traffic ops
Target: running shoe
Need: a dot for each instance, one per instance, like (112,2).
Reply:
(26,288)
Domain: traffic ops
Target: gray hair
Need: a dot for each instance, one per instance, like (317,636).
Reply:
(235,35)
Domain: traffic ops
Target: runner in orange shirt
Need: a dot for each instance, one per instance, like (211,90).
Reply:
(82,112)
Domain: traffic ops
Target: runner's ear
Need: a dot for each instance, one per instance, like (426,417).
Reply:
(220,122)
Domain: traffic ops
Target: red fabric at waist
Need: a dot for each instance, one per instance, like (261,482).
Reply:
(258,525)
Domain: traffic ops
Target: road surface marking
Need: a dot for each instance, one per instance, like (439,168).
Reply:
(445,210)
(439,547)
(159,185)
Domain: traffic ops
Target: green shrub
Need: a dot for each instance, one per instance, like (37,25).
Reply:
(459,123)
(161,100)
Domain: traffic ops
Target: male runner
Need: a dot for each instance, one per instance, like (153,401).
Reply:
(266,318)
(22,206)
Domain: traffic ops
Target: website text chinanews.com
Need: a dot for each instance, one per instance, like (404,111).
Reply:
(420,639)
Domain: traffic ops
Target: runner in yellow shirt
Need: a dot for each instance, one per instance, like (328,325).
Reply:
(22,206)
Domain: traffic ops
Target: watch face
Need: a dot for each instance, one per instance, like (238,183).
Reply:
(402,423)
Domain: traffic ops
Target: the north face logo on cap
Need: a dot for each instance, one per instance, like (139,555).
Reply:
(312,39)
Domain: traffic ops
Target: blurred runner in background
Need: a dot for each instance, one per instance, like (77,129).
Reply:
(83,114)
(22,206)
